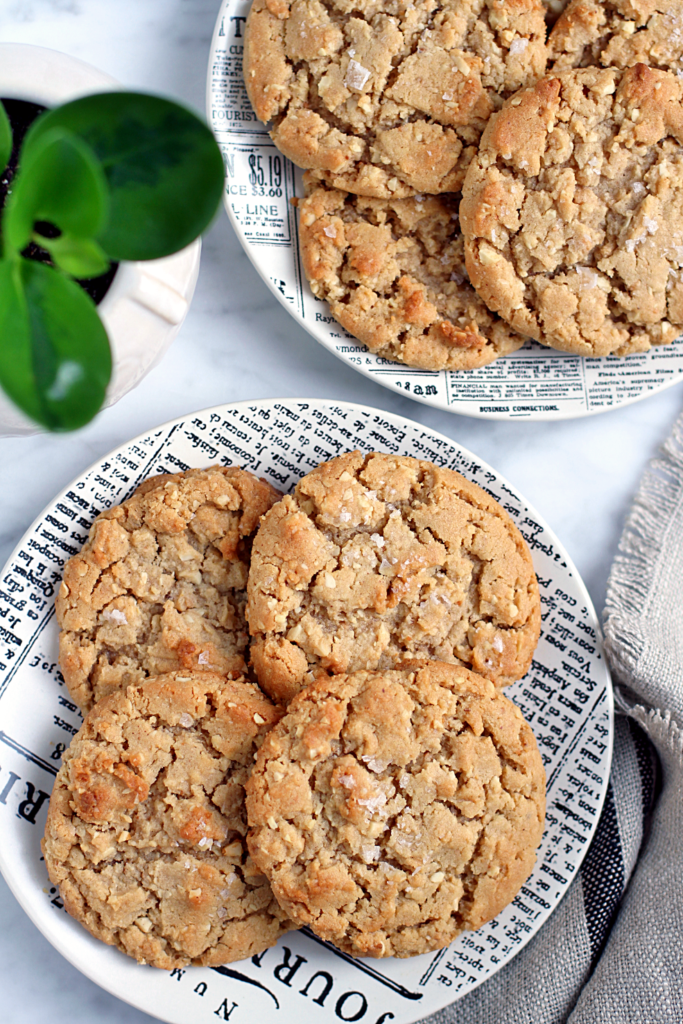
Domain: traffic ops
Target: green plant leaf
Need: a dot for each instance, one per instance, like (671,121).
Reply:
(79,257)
(59,180)
(163,166)
(55,361)
(5,138)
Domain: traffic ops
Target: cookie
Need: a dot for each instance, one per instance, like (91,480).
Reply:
(573,211)
(387,99)
(378,558)
(618,33)
(146,830)
(393,272)
(392,810)
(161,582)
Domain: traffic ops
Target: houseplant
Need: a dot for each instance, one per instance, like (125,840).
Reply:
(148,177)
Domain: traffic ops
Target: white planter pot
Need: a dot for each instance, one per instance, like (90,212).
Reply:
(147,302)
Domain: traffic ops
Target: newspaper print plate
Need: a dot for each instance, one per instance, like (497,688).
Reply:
(566,697)
(533,383)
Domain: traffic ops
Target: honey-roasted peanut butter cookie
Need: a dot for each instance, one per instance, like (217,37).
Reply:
(393,272)
(573,211)
(392,810)
(378,558)
(387,99)
(161,582)
(146,830)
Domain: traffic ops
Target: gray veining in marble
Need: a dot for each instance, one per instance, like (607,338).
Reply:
(238,343)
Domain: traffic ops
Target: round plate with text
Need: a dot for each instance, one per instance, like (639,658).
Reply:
(533,383)
(566,697)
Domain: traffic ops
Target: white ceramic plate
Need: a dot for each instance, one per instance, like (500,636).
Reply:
(566,697)
(533,383)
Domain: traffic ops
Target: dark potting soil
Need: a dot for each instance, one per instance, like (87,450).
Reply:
(21,115)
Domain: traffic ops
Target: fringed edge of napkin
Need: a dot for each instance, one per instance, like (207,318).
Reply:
(663,729)
(637,562)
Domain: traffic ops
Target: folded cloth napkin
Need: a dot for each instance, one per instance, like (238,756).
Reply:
(612,953)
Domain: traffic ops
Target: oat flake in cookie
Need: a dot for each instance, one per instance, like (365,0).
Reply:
(145,833)
(378,558)
(387,99)
(392,810)
(573,211)
(618,33)
(161,583)
(393,272)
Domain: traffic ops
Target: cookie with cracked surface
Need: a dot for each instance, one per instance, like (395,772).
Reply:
(161,582)
(573,211)
(393,272)
(378,558)
(392,810)
(618,33)
(146,829)
(387,99)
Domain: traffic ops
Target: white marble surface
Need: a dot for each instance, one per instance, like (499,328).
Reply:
(238,343)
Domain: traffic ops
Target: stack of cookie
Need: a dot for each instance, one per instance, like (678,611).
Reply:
(146,831)
(294,714)
(566,150)
(401,798)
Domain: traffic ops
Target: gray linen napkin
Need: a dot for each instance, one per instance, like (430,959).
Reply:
(601,958)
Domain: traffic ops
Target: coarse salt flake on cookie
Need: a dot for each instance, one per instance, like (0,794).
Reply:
(393,810)
(160,584)
(146,829)
(377,558)
(387,99)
